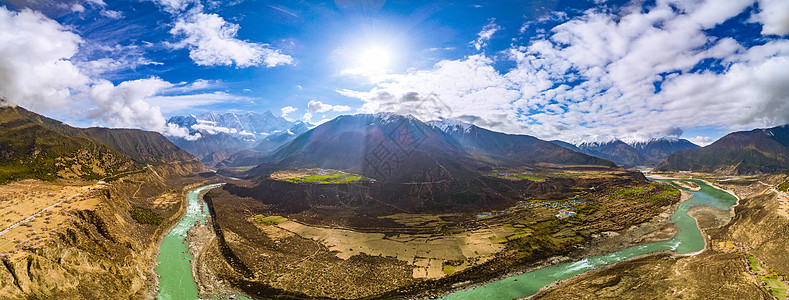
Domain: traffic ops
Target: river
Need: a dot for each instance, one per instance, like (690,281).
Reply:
(687,240)
(174,269)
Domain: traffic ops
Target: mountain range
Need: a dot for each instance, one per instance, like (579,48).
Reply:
(744,152)
(221,136)
(402,148)
(34,146)
(646,153)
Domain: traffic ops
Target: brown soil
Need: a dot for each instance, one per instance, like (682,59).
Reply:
(720,272)
(100,252)
(307,256)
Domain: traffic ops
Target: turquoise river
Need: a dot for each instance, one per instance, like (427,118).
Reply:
(688,240)
(174,270)
(176,281)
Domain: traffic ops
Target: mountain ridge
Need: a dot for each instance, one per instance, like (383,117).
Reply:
(640,153)
(362,142)
(758,151)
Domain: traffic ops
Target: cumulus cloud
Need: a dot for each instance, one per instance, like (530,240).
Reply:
(320,107)
(485,35)
(125,105)
(212,42)
(774,15)
(35,70)
(626,74)
(213,129)
(287,110)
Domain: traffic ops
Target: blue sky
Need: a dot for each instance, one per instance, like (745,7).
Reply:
(571,70)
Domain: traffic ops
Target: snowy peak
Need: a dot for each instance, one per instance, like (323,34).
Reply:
(249,125)
(451,126)
(634,152)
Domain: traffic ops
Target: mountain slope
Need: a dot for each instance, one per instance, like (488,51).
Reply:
(393,147)
(744,152)
(657,150)
(513,148)
(617,151)
(31,150)
(228,132)
(145,147)
(630,155)
(256,155)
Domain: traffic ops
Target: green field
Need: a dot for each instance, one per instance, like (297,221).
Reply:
(328,179)
(145,216)
(649,193)
(770,278)
(516,176)
(270,220)
(784,187)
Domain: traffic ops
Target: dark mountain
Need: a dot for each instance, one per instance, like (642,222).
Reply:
(657,150)
(513,149)
(566,145)
(617,151)
(29,149)
(231,132)
(630,155)
(744,152)
(146,147)
(402,148)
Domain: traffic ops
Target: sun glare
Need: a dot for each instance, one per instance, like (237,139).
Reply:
(374,59)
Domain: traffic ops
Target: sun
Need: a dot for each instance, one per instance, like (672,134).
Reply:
(374,58)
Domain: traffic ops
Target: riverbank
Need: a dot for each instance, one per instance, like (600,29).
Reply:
(174,269)
(654,231)
(702,274)
(685,196)
(172,221)
(201,238)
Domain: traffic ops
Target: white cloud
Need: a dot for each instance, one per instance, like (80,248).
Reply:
(287,110)
(319,107)
(212,129)
(701,140)
(174,6)
(185,103)
(125,105)
(774,14)
(35,70)
(484,36)
(113,14)
(596,75)
(197,85)
(212,42)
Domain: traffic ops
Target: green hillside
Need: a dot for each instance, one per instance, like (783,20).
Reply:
(30,150)
(145,147)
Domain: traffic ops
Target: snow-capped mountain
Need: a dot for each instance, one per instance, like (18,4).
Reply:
(231,132)
(647,152)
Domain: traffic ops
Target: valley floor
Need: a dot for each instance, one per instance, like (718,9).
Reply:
(266,254)
(745,257)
